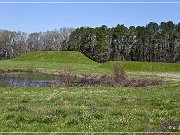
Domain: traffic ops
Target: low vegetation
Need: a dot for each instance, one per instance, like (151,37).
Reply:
(146,66)
(107,108)
(75,62)
(88,109)
(68,80)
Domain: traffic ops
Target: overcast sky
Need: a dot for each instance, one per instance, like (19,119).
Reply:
(43,17)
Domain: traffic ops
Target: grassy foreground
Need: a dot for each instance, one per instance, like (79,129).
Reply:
(88,109)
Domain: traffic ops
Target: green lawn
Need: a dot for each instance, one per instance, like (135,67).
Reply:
(75,62)
(55,56)
(88,109)
(147,66)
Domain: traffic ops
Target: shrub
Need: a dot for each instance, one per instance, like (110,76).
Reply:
(119,71)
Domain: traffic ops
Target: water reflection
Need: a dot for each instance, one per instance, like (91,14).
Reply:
(27,79)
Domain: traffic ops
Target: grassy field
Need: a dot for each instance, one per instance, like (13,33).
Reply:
(76,62)
(88,109)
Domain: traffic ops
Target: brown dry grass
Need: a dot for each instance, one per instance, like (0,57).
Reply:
(106,81)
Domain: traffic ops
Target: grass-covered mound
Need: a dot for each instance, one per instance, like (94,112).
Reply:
(76,62)
(55,56)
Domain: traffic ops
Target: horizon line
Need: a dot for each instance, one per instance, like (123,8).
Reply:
(45,2)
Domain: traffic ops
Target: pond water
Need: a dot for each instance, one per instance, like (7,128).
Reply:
(27,79)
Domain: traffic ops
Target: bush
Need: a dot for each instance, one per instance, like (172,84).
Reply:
(119,71)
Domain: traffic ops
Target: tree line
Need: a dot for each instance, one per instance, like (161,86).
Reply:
(13,44)
(153,42)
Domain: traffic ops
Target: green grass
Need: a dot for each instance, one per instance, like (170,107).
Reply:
(75,62)
(55,56)
(147,66)
(79,109)
(88,109)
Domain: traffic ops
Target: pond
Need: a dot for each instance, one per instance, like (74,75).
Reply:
(27,79)
(36,79)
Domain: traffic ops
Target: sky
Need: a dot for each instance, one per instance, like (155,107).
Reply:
(42,17)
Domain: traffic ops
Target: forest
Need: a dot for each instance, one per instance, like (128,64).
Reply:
(153,42)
